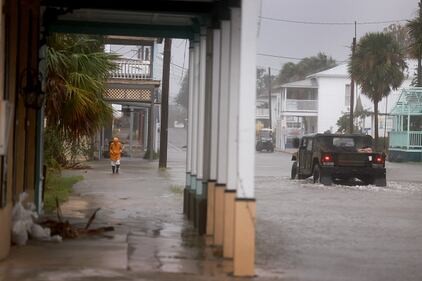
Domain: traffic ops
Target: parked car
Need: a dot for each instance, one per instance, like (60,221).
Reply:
(265,140)
(327,157)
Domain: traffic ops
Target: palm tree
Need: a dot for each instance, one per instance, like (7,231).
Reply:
(77,69)
(415,50)
(377,66)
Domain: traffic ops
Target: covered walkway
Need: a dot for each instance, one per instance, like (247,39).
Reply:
(219,197)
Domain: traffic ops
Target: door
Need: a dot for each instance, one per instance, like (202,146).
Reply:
(302,155)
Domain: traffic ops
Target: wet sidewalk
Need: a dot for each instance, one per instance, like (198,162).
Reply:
(152,239)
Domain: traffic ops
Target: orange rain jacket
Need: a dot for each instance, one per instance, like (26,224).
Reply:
(115,150)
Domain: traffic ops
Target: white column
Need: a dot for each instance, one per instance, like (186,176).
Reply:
(208,105)
(232,132)
(195,89)
(190,117)
(215,103)
(223,103)
(201,111)
(247,96)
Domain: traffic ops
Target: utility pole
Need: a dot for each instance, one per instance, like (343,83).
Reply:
(352,88)
(269,98)
(165,104)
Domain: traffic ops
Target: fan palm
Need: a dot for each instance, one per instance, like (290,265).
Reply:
(377,66)
(415,50)
(77,69)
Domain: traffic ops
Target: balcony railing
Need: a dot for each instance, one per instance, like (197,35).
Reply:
(301,105)
(407,140)
(262,112)
(132,70)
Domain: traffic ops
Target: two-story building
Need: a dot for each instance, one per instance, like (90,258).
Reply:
(133,89)
(317,102)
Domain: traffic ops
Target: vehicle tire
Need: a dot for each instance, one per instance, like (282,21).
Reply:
(294,171)
(380,181)
(316,173)
(318,178)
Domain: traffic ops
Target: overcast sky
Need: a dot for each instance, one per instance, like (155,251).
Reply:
(303,40)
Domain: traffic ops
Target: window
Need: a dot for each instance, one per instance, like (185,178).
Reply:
(343,142)
(147,53)
(347,95)
(309,146)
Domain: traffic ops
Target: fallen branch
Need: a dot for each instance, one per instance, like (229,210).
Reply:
(91,218)
(68,231)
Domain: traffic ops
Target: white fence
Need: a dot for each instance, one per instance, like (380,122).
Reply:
(132,70)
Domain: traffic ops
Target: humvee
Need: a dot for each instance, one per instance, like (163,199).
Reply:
(328,157)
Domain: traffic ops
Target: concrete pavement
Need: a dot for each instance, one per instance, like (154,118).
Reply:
(151,241)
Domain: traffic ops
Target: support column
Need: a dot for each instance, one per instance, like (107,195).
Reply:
(195,96)
(131,132)
(223,111)
(232,133)
(213,130)
(145,129)
(186,193)
(200,188)
(245,206)
(194,159)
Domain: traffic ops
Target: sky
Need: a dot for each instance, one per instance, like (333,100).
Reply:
(297,41)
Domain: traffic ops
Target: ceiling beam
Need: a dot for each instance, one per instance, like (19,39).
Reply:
(141,30)
(161,6)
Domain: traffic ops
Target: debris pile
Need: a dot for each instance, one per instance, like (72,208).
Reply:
(25,226)
(68,231)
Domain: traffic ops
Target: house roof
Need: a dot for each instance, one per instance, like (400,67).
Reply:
(307,83)
(337,71)
(341,71)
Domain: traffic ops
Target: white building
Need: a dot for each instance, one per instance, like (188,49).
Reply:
(316,103)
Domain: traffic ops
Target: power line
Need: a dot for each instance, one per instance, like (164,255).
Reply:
(333,23)
(172,63)
(280,57)
(290,58)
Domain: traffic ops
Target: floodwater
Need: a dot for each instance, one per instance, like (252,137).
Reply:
(308,231)
(305,231)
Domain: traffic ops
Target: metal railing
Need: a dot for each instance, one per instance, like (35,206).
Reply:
(408,140)
(262,112)
(301,105)
(132,70)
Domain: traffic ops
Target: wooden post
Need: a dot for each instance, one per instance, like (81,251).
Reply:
(165,104)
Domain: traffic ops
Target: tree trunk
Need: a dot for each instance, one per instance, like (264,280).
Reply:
(420,70)
(376,123)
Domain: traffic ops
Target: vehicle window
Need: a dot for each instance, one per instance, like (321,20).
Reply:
(304,142)
(309,146)
(343,142)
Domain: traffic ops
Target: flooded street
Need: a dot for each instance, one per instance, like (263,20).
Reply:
(308,231)
(305,231)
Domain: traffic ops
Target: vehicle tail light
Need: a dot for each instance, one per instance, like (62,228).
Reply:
(378,159)
(327,159)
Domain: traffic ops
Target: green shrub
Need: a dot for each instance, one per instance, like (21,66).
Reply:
(57,186)
(155,155)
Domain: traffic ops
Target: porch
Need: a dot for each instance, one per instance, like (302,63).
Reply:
(405,141)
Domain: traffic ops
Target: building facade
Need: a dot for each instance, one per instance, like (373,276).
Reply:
(314,105)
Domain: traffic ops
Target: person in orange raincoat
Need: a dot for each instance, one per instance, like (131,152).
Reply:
(115,154)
